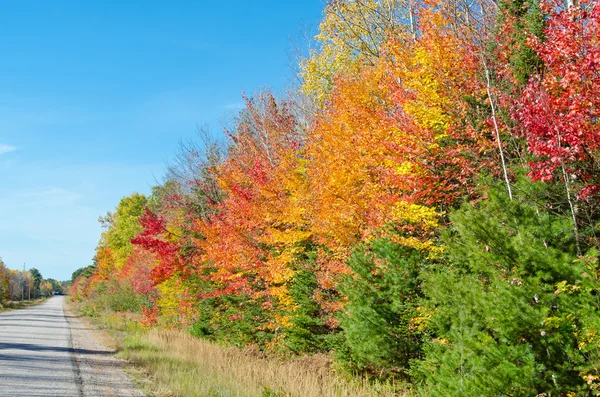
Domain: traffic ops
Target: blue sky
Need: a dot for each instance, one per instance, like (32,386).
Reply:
(96,95)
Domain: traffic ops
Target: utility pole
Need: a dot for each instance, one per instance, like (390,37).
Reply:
(25,280)
(23,284)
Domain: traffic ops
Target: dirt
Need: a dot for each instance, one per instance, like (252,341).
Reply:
(100,373)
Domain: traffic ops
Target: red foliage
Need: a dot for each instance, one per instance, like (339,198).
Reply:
(154,239)
(150,316)
(138,270)
(559,110)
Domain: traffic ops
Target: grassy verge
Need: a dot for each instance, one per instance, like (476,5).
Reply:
(192,367)
(13,305)
(178,364)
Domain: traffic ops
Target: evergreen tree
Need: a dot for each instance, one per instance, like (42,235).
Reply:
(520,19)
(381,321)
(515,309)
(37,281)
(307,332)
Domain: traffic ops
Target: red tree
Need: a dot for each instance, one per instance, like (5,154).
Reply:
(559,109)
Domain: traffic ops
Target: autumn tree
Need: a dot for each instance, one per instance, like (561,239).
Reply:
(251,241)
(121,226)
(338,228)
(558,109)
(351,35)
(397,144)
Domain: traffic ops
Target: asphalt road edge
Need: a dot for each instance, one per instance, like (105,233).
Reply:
(74,360)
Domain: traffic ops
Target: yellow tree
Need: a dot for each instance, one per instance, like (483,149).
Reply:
(392,150)
(351,35)
(121,226)
(367,170)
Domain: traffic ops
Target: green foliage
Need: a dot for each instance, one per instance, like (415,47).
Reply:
(121,298)
(57,286)
(382,320)
(233,319)
(37,281)
(202,327)
(268,392)
(512,306)
(114,296)
(307,332)
(86,272)
(524,18)
(122,226)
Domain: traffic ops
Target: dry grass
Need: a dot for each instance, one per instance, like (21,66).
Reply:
(173,363)
(13,305)
(181,365)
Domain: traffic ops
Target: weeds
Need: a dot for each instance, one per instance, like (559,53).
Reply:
(192,367)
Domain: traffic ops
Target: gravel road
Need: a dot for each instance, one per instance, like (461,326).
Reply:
(44,352)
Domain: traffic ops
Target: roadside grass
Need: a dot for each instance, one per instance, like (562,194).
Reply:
(175,363)
(14,305)
(192,367)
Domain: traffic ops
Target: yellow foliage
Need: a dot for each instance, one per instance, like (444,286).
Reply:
(421,321)
(589,335)
(350,35)
(436,71)
(424,216)
(172,302)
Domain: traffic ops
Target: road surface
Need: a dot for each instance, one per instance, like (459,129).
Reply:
(44,352)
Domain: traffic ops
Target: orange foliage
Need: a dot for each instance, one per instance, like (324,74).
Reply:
(392,147)
(251,240)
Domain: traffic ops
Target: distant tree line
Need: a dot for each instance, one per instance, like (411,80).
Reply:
(19,285)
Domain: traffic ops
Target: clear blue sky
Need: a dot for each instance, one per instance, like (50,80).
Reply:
(96,95)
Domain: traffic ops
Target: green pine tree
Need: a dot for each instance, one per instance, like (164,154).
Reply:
(515,310)
(380,331)
(308,332)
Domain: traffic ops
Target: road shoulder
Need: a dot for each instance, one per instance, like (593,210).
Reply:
(101,374)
